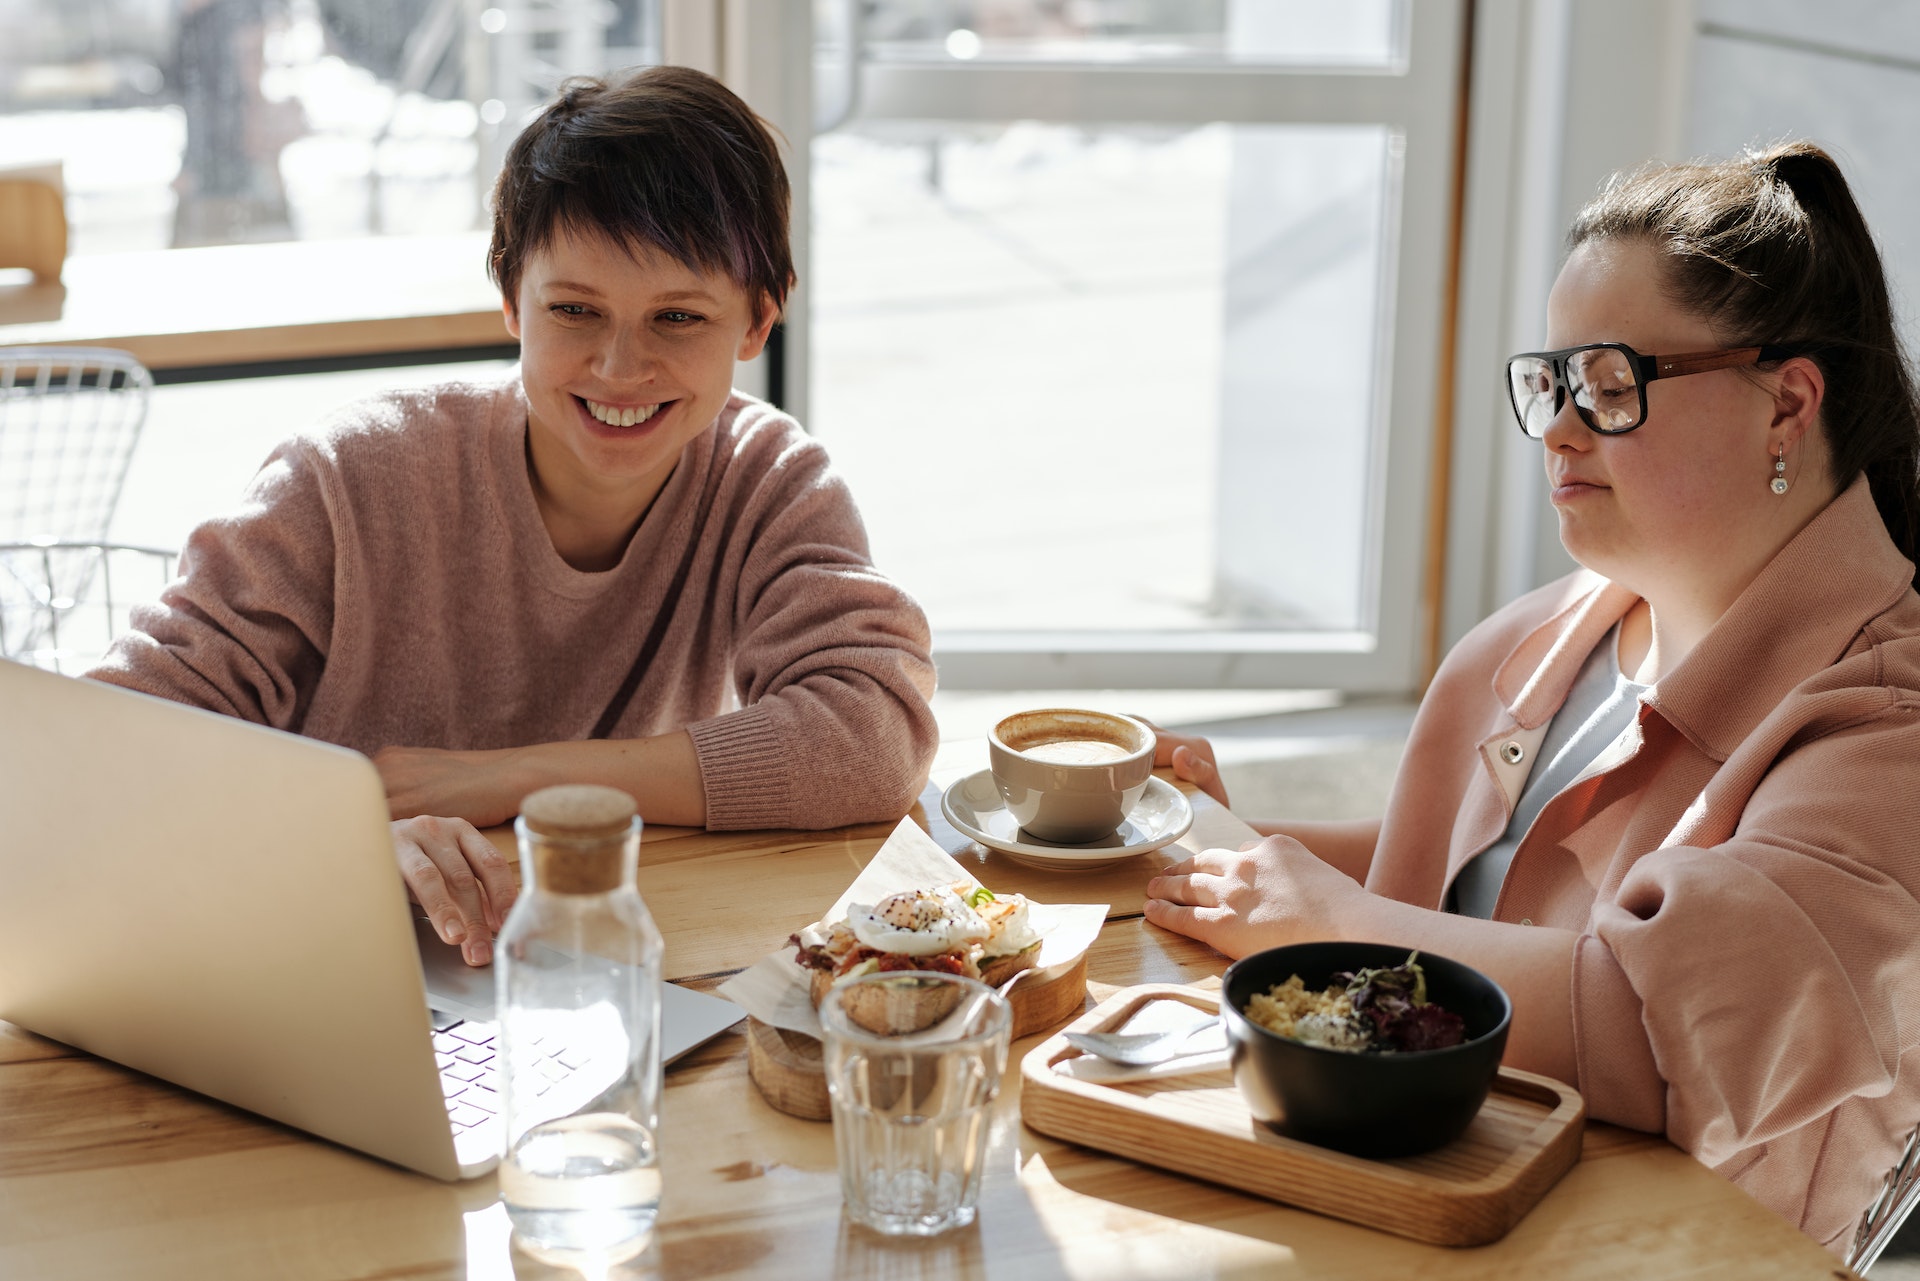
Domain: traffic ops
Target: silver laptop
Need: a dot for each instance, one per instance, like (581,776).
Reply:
(217,904)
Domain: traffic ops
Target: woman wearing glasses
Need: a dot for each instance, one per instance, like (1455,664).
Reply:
(1669,802)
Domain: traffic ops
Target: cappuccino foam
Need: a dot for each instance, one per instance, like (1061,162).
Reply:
(1077,751)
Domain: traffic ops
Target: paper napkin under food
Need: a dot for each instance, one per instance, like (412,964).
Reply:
(774,990)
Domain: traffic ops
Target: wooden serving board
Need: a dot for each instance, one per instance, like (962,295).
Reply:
(790,1073)
(787,1068)
(1470,1192)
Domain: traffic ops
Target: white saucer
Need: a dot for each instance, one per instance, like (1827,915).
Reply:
(975,808)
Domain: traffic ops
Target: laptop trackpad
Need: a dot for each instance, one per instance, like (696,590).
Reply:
(687,1018)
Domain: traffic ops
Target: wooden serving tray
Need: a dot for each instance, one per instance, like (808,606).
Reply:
(791,1075)
(1468,1193)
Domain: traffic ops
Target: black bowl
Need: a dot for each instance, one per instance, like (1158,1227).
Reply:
(1367,1104)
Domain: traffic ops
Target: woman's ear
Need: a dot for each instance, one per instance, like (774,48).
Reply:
(1796,402)
(512,314)
(755,339)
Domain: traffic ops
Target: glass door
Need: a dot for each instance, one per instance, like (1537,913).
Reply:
(1123,319)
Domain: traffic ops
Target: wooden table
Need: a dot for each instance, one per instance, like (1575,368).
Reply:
(108,1174)
(301,306)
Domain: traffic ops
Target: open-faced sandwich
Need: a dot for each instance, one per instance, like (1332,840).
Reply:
(952,929)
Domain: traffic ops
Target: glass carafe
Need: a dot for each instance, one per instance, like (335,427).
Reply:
(578,969)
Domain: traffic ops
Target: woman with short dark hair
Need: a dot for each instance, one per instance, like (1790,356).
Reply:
(1668,802)
(569,574)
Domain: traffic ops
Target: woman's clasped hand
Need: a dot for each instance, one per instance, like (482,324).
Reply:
(1268,893)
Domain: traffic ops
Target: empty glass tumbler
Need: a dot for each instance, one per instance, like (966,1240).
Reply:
(914,1062)
(578,974)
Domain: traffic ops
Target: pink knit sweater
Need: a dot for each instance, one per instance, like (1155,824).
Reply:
(388,581)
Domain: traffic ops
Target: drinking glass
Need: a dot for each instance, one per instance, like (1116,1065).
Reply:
(914,1061)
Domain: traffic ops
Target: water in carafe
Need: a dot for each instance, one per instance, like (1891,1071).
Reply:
(578,970)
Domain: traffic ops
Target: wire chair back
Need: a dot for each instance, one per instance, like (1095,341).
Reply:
(70,418)
(43,625)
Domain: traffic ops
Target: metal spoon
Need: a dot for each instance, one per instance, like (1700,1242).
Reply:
(1141,1049)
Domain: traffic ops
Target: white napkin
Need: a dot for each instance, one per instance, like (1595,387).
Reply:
(774,989)
(1204,1051)
(1085,1067)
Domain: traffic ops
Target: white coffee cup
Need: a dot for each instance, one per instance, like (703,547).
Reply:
(1069,775)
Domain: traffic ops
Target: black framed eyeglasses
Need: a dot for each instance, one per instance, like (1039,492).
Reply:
(1608,381)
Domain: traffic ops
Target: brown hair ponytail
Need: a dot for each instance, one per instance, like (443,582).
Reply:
(1772,248)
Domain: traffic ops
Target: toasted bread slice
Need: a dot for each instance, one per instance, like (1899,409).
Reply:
(999,969)
(890,1009)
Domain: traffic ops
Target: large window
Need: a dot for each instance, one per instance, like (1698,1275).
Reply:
(1125,323)
(1134,362)
(1123,316)
(192,122)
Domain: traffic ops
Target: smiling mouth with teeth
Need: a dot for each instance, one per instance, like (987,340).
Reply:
(616,417)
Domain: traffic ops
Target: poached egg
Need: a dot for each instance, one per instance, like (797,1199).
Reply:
(917,923)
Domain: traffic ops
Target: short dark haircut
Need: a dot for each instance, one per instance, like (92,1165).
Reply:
(667,158)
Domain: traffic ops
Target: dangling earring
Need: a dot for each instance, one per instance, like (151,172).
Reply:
(1780,472)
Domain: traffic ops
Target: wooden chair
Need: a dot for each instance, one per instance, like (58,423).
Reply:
(33,228)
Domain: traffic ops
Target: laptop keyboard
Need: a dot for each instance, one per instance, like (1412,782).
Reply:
(469,1073)
(465,1052)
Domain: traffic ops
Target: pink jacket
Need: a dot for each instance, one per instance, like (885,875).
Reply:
(1741,869)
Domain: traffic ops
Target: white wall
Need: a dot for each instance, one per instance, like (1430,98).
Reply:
(1844,73)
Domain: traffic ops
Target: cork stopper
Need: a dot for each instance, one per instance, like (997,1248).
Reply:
(579,833)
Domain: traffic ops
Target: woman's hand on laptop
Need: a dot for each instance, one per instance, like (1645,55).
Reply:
(461,880)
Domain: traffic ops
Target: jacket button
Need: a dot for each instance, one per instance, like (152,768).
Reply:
(1512,753)
(1526,920)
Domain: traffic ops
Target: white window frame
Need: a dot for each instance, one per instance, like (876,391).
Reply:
(764,49)
(1546,128)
